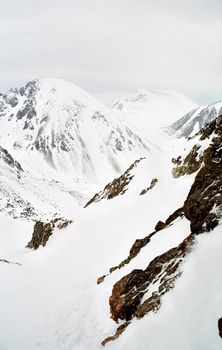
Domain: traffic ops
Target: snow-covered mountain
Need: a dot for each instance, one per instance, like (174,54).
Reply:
(153,108)
(138,268)
(87,260)
(192,122)
(30,196)
(56,121)
(69,144)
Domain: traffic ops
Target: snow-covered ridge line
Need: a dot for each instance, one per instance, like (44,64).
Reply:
(192,122)
(154,108)
(53,126)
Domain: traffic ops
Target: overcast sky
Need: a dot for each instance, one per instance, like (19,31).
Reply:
(114,46)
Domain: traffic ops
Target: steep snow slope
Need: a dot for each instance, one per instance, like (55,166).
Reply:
(153,108)
(57,301)
(189,316)
(196,119)
(52,301)
(27,195)
(57,121)
(150,110)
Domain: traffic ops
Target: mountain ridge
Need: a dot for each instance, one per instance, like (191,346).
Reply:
(195,120)
(53,118)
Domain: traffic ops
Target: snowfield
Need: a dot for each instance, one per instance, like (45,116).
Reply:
(53,301)
(49,297)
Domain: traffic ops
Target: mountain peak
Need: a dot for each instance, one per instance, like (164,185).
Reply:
(68,128)
(155,107)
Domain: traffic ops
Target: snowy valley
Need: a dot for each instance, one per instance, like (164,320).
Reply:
(110,220)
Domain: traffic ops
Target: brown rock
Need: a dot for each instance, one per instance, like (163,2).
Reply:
(42,231)
(125,301)
(115,188)
(140,243)
(119,331)
(100,279)
(160,226)
(152,184)
(206,191)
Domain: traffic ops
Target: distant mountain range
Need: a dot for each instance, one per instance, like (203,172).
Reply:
(57,121)
(154,108)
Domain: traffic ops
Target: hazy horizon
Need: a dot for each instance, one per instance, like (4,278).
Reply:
(114,48)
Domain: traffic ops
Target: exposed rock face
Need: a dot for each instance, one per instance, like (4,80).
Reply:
(13,96)
(213,128)
(117,187)
(127,294)
(189,165)
(153,183)
(42,232)
(140,291)
(119,331)
(140,243)
(10,161)
(203,206)
(160,225)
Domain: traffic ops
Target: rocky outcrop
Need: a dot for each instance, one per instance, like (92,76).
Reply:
(140,291)
(189,165)
(119,331)
(131,296)
(42,232)
(140,243)
(125,301)
(203,206)
(115,188)
(213,128)
(152,184)
(10,161)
